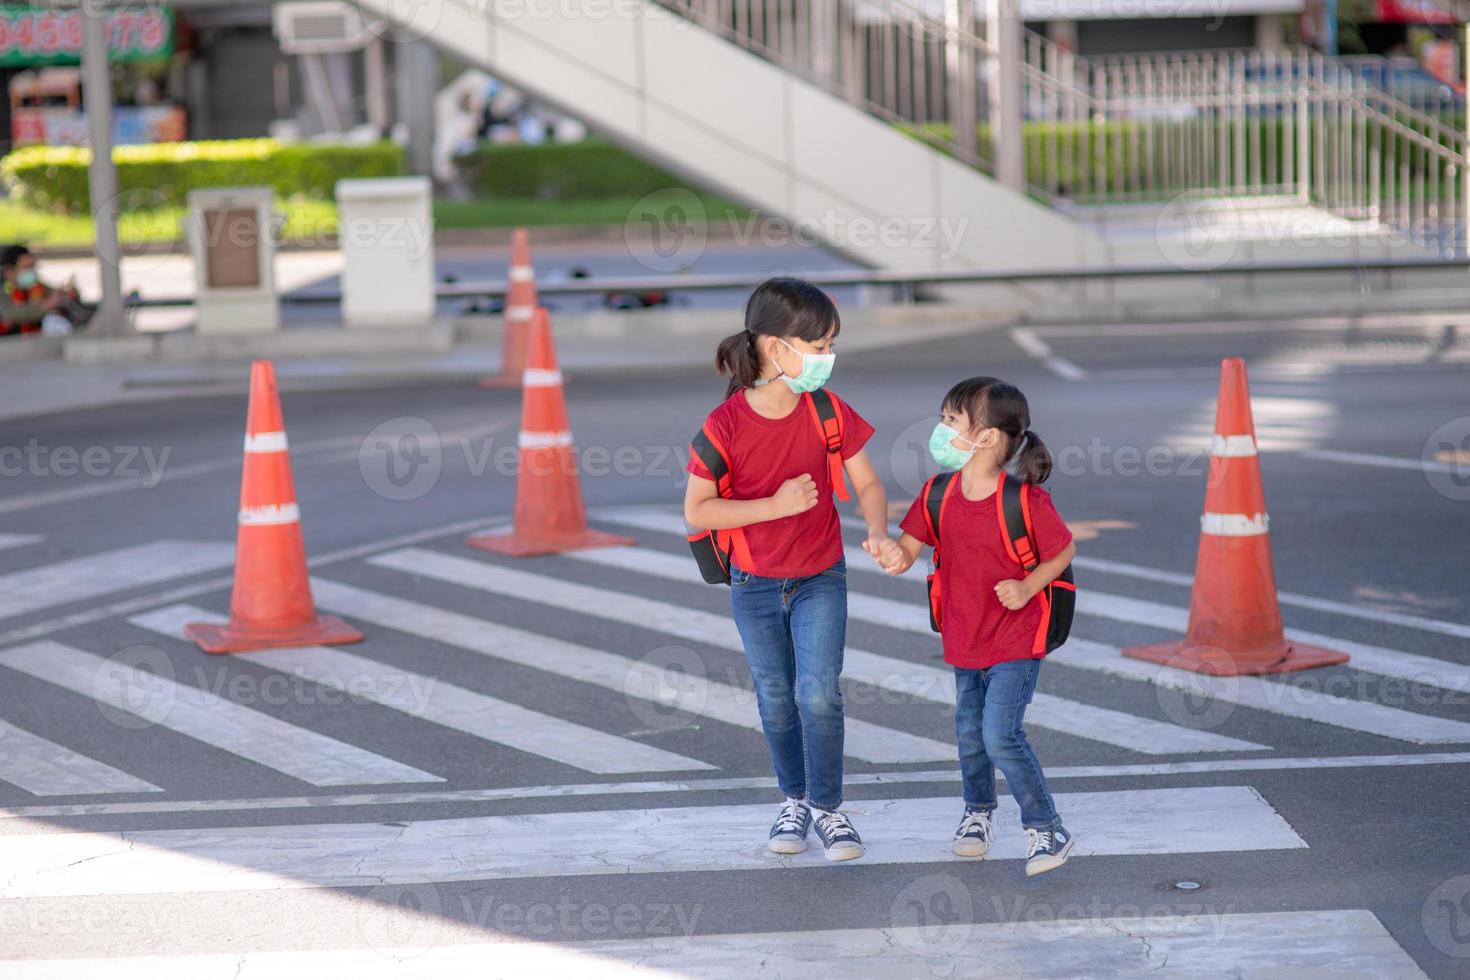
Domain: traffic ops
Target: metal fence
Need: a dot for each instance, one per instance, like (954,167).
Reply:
(1285,127)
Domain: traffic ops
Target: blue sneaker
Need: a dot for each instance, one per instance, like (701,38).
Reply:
(837,835)
(1047,850)
(788,833)
(973,838)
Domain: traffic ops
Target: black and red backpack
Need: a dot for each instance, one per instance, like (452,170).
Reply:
(712,549)
(1013,511)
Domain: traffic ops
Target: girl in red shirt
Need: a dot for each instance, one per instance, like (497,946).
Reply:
(788,582)
(991,623)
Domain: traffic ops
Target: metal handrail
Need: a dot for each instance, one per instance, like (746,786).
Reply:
(466,289)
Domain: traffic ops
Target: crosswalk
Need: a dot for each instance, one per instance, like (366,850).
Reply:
(651,590)
(615,677)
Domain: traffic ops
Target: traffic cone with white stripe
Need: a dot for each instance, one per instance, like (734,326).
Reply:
(520,303)
(550,516)
(1234,616)
(270,603)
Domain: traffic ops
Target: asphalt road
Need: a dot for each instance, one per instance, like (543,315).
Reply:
(1322,814)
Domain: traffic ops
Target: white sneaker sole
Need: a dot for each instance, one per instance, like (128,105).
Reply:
(786,846)
(1051,862)
(845,852)
(967,848)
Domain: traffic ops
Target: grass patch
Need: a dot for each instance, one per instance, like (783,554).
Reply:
(310,219)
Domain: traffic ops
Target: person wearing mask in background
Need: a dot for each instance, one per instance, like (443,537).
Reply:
(28,305)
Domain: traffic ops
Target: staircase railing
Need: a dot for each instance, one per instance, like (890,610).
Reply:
(1281,127)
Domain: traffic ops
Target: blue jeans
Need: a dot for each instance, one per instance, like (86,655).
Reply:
(793,630)
(989,705)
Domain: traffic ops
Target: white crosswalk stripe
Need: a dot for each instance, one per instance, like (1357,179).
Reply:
(19,540)
(42,767)
(155,699)
(1224,944)
(1193,820)
(89,576)
(445,704)
(631,678)
(1046,711)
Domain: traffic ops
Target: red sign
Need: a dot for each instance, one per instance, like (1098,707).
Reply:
(1413,12)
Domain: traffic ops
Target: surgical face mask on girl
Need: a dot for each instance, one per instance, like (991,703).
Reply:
(941,447)
(815,370)
(25,278)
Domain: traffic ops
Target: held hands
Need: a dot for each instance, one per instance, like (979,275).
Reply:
(887,553)
(1013,593)
(796,496)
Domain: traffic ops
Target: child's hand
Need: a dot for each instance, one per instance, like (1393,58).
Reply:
(883,549)
(1013,593)
(796,496)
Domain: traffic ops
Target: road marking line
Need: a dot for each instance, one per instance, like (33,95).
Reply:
(1271,696)
(664,521)
(1386,462)
(1027,339)
(628,677)
(1267,943)
(1069,717)
(443,703)
(44,768)
(89,576)
(19,540)
(1193,820)
(13,820)
(208,718)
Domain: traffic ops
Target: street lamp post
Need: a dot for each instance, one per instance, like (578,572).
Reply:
(102,175)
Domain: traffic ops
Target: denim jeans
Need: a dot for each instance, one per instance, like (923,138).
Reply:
(793,630)
(989,705)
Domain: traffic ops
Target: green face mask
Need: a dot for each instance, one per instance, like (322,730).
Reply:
(815,370)
(942,449)
(25,278)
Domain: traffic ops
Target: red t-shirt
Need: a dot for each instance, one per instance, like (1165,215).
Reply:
(979,632)
(765,453)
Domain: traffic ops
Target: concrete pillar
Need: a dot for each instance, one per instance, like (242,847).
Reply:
(1270,32)
(415,82)
(1005,95)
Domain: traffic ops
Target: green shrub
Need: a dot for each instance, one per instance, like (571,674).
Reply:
(54,178)
(560,171)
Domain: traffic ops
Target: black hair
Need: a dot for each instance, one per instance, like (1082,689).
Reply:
(990,402)
(779,307)
(12,254)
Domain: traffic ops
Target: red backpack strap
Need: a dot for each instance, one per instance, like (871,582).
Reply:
(712,454)
(936,497)
(1013,509)
(823,405)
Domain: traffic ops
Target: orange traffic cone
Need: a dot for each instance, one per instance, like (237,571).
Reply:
(1234,618)
(520,303)
(270,604)
(550,515)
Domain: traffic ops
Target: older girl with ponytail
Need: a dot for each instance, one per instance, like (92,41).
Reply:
(990,616)
(788,581)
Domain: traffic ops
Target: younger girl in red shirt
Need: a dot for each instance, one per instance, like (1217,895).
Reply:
(990,619)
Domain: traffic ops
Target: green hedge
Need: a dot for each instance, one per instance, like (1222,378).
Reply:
(54,178)
(560,171)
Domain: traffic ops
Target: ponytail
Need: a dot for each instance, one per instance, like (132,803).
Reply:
(1033,459)
(779,307)
(737,357)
